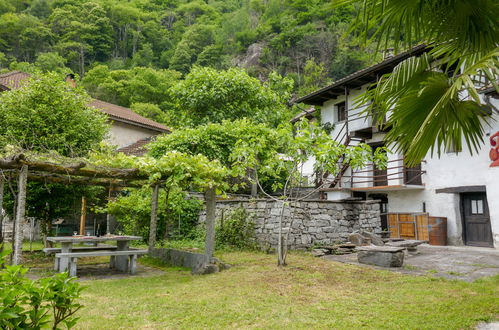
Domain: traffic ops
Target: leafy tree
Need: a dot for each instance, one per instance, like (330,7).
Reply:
(207,95)
(51,61)
(136,85)
(308,141)
(177,214)
(218,141)
(144,57)
(428,112)
(46,115)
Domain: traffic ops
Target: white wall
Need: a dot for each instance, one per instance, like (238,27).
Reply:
(448,170)
(123,134)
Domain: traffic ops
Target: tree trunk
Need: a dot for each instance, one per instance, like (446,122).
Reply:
(83,216)
(21,210)
(168,227)
(2,182)
(210,199)
(280,249)
(154,218)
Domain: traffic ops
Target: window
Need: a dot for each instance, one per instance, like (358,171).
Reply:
(476,206)
(341,111)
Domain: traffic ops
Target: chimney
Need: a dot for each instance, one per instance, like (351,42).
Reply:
(70,79)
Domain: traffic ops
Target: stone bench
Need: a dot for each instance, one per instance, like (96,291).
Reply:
(383,256)
(81,248)
(73,256)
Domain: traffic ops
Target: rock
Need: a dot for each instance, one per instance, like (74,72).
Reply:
(375,239)
(356,238)
(319,252)
(205,269)
(381,256)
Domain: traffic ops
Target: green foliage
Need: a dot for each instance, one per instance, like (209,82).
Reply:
(219,142)
(51,61)
(177,214)
(207,95)
(132,86)
(263,36)
(46,115)
(236,231)
(433,105)
(47,302)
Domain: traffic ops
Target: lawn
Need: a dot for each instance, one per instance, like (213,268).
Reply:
(309,293)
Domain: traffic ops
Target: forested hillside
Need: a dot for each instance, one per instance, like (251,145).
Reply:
(157,42)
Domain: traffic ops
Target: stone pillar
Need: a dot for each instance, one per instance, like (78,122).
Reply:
(210,199)
(21,210)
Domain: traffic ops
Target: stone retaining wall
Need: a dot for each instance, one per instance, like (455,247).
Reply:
(310,222)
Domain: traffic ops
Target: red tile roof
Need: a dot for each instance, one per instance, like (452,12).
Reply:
(137,148)
(123,114)
(14,79)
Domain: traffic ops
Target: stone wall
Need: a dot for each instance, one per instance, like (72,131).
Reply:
(310,222)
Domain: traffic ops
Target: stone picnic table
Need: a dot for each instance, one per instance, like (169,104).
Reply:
(119,262)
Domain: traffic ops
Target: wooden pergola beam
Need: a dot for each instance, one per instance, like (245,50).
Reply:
(78,169)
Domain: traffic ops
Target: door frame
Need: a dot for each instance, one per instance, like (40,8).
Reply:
(463,217)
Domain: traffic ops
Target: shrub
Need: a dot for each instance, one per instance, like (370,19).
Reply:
(237,230)
(27,304)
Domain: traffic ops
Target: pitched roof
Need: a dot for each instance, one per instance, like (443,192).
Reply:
(360,77)
(126,115)
(137,148)
(14,79)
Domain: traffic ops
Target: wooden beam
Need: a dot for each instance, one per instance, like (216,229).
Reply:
(83,217)
(67,179)
(461,189)
(78,169)
(21,211)
(211,203)
(154,217)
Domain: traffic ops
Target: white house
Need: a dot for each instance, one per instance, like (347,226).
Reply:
(461,187)
(129,130)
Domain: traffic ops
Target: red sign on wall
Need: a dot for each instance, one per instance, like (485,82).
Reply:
(494,151)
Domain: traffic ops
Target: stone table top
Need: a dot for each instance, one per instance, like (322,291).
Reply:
(85,239)
(406,243)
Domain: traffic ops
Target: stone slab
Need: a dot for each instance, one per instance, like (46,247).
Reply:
(406,243)
(387,249)
(381,258)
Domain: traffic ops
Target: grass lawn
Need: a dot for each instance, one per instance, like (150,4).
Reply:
(309,293)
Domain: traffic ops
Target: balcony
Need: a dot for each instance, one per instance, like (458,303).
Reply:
(396,176)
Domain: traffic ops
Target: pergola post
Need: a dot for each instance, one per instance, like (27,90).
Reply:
(21,210)
(108,215)
(154,217)
(2,184)
(83,217)
(210,199)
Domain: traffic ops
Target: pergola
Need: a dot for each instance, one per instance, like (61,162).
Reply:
(85,173)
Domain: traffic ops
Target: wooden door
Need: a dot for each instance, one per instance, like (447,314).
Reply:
(380,177)
(476,220)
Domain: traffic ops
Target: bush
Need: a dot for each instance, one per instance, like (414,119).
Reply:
(27,304)
(237,230)
(177,220)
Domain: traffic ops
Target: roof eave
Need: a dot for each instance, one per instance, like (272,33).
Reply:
(134,123)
